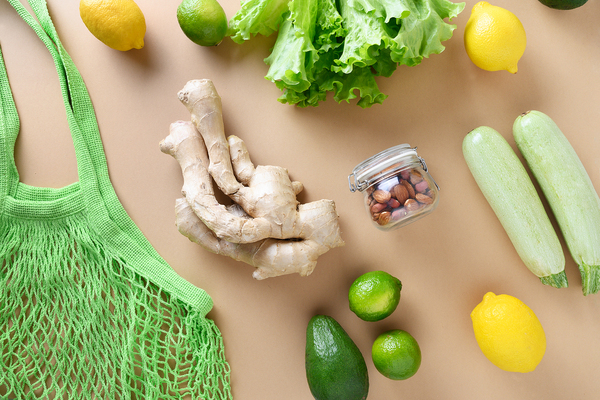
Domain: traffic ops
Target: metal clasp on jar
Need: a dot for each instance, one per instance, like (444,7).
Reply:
(355,184)
(424,164)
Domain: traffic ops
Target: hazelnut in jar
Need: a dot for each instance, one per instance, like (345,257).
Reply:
(398,189)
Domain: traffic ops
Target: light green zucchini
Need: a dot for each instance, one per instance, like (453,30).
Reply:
(510,192)
(568,189)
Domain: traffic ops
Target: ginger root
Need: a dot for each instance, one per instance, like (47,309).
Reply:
(266,226)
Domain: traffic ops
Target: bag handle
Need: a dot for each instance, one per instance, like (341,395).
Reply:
(91,160)
(105,213)
(9,129)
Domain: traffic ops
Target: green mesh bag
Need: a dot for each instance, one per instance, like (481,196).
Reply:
(88,309)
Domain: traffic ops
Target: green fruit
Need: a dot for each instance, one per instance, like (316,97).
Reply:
(563,4)
(335,367)
(203,21)
(375,295)
(396,354)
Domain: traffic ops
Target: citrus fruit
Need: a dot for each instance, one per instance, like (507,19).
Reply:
(494,38)
(119,24)
(374,295)
(508,333)
(563,4)
(203,21)
(396,354)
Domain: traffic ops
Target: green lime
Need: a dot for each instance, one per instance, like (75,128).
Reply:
(203,21)
(396,354)
(374,295)
(563,4)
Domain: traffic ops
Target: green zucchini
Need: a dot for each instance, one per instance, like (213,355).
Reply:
(508,189)
(568,189)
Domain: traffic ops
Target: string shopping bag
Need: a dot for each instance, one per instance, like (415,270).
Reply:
(88,308)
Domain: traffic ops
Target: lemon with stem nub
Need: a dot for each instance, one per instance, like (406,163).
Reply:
(119,24)
(509,333)
(494,38)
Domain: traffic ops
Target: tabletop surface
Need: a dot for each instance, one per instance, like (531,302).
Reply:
(446,261)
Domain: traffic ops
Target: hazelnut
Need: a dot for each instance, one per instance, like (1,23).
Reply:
(384,218)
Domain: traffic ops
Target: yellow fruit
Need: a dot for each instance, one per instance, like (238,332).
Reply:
(119,24)
(508,333)
(494,38)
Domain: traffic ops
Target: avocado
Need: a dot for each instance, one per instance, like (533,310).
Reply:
(563,4)
(335,367)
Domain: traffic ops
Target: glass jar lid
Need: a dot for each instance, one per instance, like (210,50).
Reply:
(383,164)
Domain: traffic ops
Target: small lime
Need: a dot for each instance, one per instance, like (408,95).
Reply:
(396,354)
(375,295)
(203,21)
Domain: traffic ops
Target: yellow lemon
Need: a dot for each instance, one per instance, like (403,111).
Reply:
(119,24)
(494,38)
(508,333)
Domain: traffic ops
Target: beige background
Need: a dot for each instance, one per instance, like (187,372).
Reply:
(446,262)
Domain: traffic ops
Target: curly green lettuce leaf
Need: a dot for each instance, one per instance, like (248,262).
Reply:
(310,41)
(423,31)
(295,61)
(340,46)
(404,33)
(361,80)
(360,83)
(366,35)
(257,17)
(381,9)
(292,58)
(330,31)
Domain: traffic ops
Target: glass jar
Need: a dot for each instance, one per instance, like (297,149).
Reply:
(397,187)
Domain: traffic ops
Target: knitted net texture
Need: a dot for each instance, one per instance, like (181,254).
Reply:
(77,323)
(88,308)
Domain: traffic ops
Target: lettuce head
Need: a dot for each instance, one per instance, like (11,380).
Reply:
(342,46)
